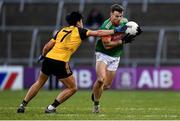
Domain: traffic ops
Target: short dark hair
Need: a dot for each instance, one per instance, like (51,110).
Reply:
(117,7)
(73,18)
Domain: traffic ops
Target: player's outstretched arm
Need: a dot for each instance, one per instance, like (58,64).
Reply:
(101,33)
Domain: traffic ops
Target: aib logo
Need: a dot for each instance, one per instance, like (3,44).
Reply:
(11,77)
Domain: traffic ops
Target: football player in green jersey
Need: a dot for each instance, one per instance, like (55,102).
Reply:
(108,52)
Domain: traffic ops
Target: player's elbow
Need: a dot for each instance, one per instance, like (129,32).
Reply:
(49,46)
(46,48)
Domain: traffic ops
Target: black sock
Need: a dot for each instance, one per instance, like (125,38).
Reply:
(96,103)
(55,103)
(24,103)
(92,97)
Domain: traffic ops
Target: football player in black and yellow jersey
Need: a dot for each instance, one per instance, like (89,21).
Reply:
(56,55)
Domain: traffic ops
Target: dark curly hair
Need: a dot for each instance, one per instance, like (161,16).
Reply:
(73,18)
(117,7)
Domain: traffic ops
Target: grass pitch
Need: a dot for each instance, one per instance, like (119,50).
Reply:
(115,105)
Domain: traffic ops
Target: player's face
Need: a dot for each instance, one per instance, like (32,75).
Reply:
(116,17)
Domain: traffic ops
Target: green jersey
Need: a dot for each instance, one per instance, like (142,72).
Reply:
(116,51)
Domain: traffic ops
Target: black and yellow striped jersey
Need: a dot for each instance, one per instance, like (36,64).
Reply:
(67,41)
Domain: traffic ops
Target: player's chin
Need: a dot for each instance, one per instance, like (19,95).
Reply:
(116,22)
(108,48)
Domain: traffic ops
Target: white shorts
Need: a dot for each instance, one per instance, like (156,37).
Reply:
(111,62)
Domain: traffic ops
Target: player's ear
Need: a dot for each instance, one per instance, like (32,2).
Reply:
(79,24)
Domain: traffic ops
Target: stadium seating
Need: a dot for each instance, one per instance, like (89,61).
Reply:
(33,14)
(145,46)
(156,15)
(173,45)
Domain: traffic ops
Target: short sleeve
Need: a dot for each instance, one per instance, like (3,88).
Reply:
(106,25)
(83,33)
(123,21)
(55,35)
(53,40)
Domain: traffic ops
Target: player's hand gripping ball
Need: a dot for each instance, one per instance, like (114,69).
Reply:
(132,28)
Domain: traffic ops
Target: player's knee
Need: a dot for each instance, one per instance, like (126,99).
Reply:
(100,81)
(106,86)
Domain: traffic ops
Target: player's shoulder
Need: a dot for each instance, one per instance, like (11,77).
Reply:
(107,24)
(123,20)
(83,33)
(82,30)
(65,28)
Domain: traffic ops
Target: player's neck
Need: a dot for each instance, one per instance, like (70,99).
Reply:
(113,23)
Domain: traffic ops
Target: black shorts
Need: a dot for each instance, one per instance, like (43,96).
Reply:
(57,68)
